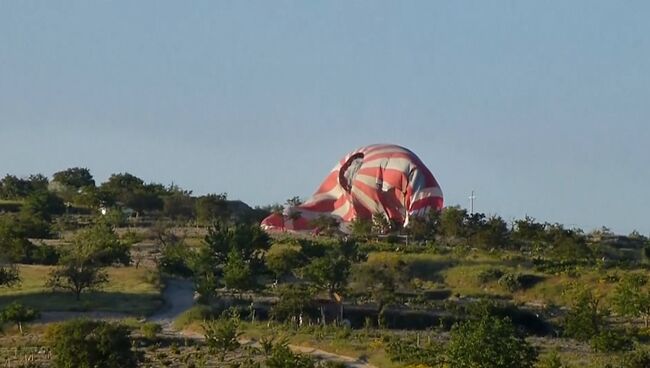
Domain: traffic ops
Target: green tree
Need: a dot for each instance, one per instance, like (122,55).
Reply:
(83,343)
(294,201)
(281,261)
(179,205)
(361,228)
(100,245)
(249,240)
(293,300)
(132,192)
(380,224)
(237,273)
(424,227)
(77,277)
(493,233)
(452,220)
(18,314)
(222,335)
(38,208)
(630,299)
(75,177)
(14,245)
(38,182)
(381,282)
(567,244)
(8,275)
(527,231)
(205,284)
(12,187)
(325,225)
(329,273)
(118,184)
(212,207)
(282,357)
(490,342)
(80,269)
(410,351)
(176,259)
(586,317)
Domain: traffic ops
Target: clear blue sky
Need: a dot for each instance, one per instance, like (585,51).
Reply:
(542,107)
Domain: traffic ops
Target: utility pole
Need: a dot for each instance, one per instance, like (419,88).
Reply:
(471,203)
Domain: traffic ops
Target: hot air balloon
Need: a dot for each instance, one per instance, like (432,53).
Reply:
(380,179)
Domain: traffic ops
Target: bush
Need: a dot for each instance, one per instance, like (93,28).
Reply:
(175,260)
(293,300)
(611,341)
(282,357)
(490,342)
(551,360)
(18,314)
(636,359)
(409,351)
(195,314)
(510,282)
(90,344)
(585,319)
(489,275)
(221,335)
(150,330)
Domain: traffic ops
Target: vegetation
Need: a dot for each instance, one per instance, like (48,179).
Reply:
(395,297)
(18,314)
(222,334)
(88,344)
(8,276)
(490,342)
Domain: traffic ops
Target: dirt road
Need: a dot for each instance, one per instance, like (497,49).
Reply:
(179,297)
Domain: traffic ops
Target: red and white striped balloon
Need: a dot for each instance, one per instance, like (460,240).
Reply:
(381,178)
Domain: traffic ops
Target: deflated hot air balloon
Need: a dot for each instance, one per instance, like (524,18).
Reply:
(379,179)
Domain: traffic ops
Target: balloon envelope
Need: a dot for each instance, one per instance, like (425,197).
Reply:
(378,179)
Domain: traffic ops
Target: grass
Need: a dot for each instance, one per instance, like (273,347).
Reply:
(352,343)
(459,274)
(129,290)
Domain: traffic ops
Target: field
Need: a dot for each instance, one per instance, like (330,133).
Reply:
(129,290)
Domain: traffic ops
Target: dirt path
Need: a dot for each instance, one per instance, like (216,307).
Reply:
(179,297)
(316,353)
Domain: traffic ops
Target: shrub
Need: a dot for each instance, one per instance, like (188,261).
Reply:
(490,342)
(282,357)
(551,360)
(90,344)
(611,341)
(195,314)
(175,260)
(513,282)
(585,319)
(221,335)
(489,275)
(293,300)
(18,314)
(636,359)
(9,275)
(410,351)
(150,330)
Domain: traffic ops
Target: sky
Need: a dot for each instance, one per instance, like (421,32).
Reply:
(542,108)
